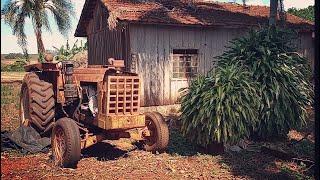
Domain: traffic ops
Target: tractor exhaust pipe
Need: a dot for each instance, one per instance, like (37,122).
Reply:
(70,89)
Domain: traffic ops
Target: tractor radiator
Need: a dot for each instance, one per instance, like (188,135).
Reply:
(122,95)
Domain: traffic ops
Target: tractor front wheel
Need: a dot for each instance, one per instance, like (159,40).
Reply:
(159,132)
(65,142)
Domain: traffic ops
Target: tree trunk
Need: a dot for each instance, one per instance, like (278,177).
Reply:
(273,12)
(39,41)
(244,2)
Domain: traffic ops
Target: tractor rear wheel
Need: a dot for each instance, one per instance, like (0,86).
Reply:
(159,132)
(37,104)
(66,143)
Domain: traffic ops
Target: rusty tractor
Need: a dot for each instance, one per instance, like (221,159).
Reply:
(79,107)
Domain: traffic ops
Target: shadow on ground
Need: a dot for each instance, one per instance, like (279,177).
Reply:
(256,164)
(252,165)
(247,164)
(103,151)
(178,145)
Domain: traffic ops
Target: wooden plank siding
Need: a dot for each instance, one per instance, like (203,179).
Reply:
(104,43)
(306,47)
(152,45)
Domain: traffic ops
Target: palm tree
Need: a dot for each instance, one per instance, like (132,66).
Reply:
(15,13)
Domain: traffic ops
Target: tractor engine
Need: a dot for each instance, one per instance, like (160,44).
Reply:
(94,95)
(89,101)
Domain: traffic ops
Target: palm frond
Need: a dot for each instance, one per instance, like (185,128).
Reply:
(15,13)
(62,11)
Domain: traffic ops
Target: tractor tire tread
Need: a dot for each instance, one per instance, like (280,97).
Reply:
(41,101)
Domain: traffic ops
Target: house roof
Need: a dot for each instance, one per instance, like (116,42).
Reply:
(180,12)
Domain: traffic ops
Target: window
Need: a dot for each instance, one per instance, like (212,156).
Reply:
(185,63)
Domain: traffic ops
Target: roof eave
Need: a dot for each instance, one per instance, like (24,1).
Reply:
(78,31)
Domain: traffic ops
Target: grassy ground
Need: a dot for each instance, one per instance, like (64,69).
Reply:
(183,160)
(10,106)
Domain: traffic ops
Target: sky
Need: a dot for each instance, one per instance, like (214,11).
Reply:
(54,38)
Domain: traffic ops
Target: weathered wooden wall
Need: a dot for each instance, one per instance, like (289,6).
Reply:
(151,49)
(147,50)
(104,43)
(306,47)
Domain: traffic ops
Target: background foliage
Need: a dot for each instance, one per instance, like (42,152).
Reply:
(17,66)
(14,56)
(66,52)
(305,13)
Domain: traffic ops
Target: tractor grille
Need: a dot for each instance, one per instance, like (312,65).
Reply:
(122,95)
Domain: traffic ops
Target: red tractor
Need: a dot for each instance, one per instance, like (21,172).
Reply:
(79,107)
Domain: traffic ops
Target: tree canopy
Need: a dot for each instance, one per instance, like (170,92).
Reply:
(15,13)
(305,13)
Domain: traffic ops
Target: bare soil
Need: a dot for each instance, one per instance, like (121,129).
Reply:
(183,160)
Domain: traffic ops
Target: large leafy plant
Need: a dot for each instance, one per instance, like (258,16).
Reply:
(261,85)
(220,107)
(282,74)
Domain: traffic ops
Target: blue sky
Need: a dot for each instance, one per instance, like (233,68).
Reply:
(9,42)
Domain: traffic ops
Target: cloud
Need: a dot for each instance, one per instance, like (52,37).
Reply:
(9,44)
(254,2)
(78,5)
(297,3)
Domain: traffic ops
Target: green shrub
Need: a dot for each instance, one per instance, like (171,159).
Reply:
(220,107)
(261,86)
(282,74)
(17,66)
(14,56)
(41,58)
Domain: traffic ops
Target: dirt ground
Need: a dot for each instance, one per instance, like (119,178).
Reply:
(183,160)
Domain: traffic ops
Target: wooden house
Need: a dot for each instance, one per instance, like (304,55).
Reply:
(169,42)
